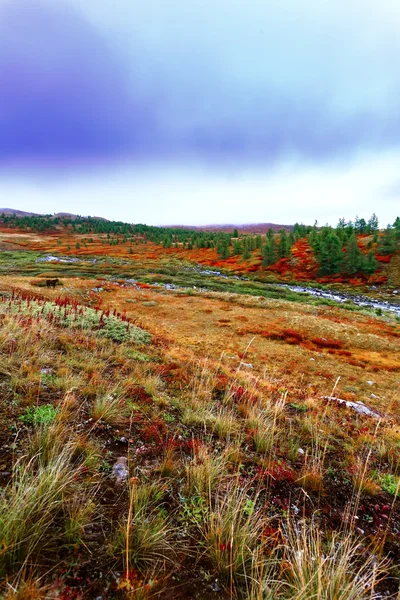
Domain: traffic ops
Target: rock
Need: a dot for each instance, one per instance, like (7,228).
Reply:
(150,303)
(358,406)
(120,469)
(247,365)
(215,586)
(370,382)
(300,451)
(123,440)
(360,531)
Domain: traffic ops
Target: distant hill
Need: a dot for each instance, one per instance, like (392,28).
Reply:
(18,213)
(22,213)
(243,228)
(226,228)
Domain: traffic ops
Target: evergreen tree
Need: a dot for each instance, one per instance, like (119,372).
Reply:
(331,255)
(283,249)
(270,234)
(353,259)
(269,254)
(396,226)
(237,248)
(370,263)
(246,250)
(387,244)
(360,225)
(223,249)
(373,223)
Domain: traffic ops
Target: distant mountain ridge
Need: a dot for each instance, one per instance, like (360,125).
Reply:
(243,228)
(23,213)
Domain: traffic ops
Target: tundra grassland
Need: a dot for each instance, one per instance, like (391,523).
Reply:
(171,434)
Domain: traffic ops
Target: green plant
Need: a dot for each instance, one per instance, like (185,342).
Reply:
(194,510)
(390,483)
(298,407)
(39,415)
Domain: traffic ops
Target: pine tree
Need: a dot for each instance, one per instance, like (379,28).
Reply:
(353,258)
(396,226)
(370,263)
(237,248)
(283,249)
(269,255)
(373,223)
(223,249)
(360,225)
(387,244)
(331,255)
(246,250)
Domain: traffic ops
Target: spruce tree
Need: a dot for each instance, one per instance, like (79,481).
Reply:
(246,250)
(269,255)
(373,223)
(370,263)
(283,249)
(396,226)
(331,255)
(387,244)
(353,258)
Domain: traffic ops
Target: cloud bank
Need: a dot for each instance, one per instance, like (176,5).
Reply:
(206,89)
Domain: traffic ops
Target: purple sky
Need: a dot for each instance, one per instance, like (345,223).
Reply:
(201,112)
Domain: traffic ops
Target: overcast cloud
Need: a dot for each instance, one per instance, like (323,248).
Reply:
(201,112)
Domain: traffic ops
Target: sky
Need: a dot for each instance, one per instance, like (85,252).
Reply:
(204,111)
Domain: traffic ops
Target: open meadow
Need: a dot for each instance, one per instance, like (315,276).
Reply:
(176,426)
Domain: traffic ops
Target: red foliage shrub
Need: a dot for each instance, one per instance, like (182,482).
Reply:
(383,258)
(343,352)
(291,336)
(354,363)
(139,394)
(276,472)
(194,445)
(143,286)
(154,432)
(327,343)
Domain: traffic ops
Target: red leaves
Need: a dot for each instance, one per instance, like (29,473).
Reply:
(327,343)
(383,258)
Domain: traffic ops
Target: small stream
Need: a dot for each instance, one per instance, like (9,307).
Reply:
(341,298)
(338,297)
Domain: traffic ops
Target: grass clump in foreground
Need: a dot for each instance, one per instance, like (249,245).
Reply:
(33,505)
